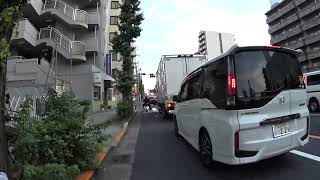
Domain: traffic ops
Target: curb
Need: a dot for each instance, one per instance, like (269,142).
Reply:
(86,175)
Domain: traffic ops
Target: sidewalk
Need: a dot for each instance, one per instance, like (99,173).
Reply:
(116,130)
(113,129)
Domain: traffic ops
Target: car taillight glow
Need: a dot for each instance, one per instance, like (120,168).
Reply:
(236,141)
(232,85)
(169,105)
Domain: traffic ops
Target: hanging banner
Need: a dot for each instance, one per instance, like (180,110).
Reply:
(108,64)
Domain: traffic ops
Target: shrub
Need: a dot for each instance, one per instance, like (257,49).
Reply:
(62,139)
(50,172)
(125,109)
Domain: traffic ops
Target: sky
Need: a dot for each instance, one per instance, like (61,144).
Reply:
(173,26)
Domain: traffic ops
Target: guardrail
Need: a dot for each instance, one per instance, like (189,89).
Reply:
(73,47)
(76,15)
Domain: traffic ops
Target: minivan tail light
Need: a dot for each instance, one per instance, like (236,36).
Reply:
(274,47)
(232,85)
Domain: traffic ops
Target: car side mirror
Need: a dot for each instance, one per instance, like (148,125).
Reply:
(175,98)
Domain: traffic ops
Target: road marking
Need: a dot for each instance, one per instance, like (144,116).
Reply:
(314,136)
(314,114)
(306,155)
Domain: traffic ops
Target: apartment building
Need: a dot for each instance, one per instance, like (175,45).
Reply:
(112,30)
(296,24)
(70,37)
(213,43)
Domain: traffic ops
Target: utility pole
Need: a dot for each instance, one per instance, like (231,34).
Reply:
(4,158)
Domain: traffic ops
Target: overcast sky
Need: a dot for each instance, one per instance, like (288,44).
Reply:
(173,26)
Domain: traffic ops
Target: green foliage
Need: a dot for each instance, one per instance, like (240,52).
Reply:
(11,12)
(61,138)
(125,109)
(50,172)
(141,89)
(129,27)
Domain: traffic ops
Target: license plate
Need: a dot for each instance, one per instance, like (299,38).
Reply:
(280,129)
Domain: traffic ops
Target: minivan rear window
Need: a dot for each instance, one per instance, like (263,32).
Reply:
(262,74)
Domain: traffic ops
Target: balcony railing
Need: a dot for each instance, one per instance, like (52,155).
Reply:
(293,32)
(313,54)
(73,47)
(286,9)
(76,15)
(311,23)
(296,44)
(298,2)
(311,38)
(276,39)
(309,9)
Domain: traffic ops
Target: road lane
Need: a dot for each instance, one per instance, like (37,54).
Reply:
(162,156)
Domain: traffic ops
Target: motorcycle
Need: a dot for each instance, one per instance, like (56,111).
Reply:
(146,107)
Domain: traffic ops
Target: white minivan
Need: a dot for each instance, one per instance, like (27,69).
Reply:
(246,105)
(313,90)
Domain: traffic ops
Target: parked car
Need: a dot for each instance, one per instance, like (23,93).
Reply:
(246,105)
(313,90)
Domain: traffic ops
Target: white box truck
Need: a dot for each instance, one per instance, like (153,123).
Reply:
(171,71)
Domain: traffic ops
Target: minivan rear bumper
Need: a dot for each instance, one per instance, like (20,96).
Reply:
(268,151)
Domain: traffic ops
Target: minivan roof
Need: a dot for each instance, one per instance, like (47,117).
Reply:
(234,49)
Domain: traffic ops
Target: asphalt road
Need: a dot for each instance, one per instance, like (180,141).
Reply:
(159,155)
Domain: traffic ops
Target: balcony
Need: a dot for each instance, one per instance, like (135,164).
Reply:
(24,33)
(302,58)
(295,44)
(286,9)
(66,13)
(280,12)
(309,9)
(275,28)
(290,20)
(292,32)
(311,23)
(298,2)
(92,45)
(313,54)
(312,38)
(272,17)
(66,47)
(276,39)
(93,18)
(87,3)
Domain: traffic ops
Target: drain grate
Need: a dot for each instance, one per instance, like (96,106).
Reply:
(121,159)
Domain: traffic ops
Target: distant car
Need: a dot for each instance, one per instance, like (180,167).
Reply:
(313,90)
(153,100)
(246,105)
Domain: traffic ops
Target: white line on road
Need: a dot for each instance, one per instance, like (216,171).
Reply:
(306,155)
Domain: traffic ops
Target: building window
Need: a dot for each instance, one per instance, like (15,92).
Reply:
(113,20)
(115,4)
(112,35)
(114,55)
(97,93)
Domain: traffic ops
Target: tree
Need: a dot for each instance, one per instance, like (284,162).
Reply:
(11,11)
(141,89)
(130,20)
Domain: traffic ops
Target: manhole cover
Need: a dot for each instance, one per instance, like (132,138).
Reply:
(121,159)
